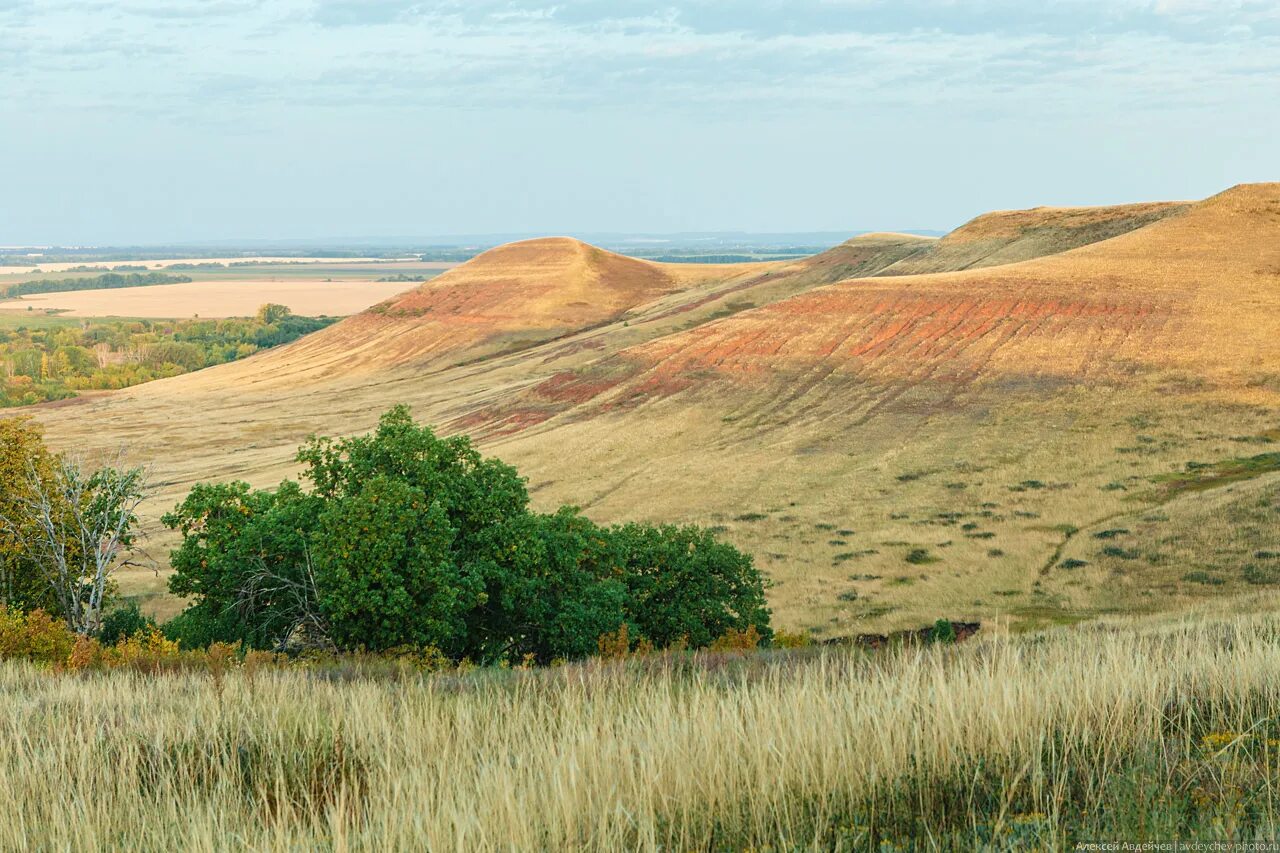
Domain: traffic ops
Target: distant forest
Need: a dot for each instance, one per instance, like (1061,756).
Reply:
(54,362)
(106,281)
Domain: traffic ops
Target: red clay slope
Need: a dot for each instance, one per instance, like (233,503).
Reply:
(505,299)
(1197,292)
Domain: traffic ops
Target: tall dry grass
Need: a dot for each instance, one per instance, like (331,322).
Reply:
(1149,730)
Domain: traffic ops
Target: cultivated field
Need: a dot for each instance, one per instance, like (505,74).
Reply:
(891,448)
(308,287)
(214,299)
(1144,731)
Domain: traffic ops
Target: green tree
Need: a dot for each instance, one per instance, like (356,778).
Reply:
(406,538)
(272,313)
(684,584)
(387,575)
(22,455)
(553,586)
(475,493)
(246,559)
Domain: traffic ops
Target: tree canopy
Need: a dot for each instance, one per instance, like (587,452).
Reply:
(403,538)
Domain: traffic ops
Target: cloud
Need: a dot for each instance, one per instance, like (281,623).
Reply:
(701,55)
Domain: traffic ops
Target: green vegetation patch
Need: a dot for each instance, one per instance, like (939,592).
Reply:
(43,361)
(1200,476)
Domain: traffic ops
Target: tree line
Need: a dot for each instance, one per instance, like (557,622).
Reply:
(106,281)
(52,363)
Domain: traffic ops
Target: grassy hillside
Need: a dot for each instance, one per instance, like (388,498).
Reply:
(892,448)
(1009,236)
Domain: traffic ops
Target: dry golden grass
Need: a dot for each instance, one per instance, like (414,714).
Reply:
(1009,236)
(1221,543)
(1143,731)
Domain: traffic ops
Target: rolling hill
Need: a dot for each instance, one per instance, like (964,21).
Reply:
(893,447)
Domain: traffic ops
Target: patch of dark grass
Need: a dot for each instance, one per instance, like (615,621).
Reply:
(1202,577)
(1111,534)
(920,557)
(1200,476)
(1121,553)
(1260,575)
(845,556)
(751,516)
(1072,563)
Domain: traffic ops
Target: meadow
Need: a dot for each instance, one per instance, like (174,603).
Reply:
(1141,730)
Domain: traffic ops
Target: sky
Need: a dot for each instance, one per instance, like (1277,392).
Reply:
(136,122)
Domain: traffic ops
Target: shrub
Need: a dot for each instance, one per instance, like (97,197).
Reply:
(1261,575)
(920,557)
(783,639)
(35,636)
(124,622)
(943,632)
(734,640)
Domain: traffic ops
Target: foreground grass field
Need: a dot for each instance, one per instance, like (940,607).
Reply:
(1116,730)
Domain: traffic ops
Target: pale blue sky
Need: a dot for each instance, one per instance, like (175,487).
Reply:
(144,122)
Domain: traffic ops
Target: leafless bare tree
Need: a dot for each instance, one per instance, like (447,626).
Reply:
(81,530)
